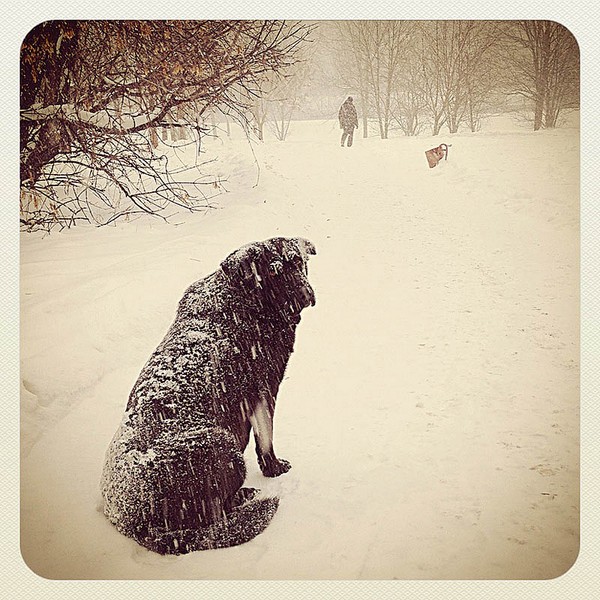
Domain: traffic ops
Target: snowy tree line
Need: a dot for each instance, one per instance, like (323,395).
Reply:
(100,99)
(422,76)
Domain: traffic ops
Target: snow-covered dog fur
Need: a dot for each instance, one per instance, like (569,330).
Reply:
(174,469)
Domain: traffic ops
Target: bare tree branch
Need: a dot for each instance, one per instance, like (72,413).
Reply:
(94,94)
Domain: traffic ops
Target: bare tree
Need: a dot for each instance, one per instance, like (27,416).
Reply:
(432,81)
(286,97)
(259,112)
(410,89)
(352,61)
(94,93)
(481,70)
(544,60)
(279,98)
(458,58)
(377,50)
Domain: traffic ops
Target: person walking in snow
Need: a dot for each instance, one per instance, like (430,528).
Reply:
(348,120)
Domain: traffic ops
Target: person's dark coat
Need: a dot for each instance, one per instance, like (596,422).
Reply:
(347,115)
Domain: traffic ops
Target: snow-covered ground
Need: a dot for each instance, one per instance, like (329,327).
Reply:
(431,408)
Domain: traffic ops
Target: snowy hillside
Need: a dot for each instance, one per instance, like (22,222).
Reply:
(431,408)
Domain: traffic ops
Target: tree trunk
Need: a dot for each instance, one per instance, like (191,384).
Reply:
(365,116)
(53,81)
(537,118)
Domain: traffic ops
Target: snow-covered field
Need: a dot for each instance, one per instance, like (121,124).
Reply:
(431,408)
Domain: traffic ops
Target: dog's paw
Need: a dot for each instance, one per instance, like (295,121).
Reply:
(274,468)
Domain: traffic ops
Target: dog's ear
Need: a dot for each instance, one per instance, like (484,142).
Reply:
(242,265)
(298,248)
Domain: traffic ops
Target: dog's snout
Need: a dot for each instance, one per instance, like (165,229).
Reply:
(308,295)
(310,248)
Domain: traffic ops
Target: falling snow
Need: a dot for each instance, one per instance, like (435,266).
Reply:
(430,409)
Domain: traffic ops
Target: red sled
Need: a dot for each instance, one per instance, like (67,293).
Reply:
(436,154)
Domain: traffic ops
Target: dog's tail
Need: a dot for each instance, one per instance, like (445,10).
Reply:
(242,523)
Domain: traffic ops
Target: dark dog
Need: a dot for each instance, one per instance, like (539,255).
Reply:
(174,470)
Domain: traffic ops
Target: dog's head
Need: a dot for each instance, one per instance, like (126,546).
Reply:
(273,274)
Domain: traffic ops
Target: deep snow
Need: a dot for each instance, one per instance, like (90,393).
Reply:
(431,408)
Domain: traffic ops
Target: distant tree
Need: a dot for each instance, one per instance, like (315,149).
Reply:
(94,94)
(375,55)
(544,68)
(371,63)
(429,76)
(351,62)
(285,98)
(278,99)
(458,67)
(410,89)
(481,68)
(322,88)
(259,112)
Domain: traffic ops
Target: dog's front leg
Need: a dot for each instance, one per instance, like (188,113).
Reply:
(261,419)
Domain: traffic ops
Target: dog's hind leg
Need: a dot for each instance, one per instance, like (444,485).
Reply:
(191,483)
(197,499)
